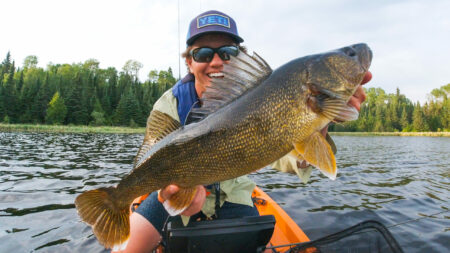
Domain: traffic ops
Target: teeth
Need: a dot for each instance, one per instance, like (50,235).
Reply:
(215,75)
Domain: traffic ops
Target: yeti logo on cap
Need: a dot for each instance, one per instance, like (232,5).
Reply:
(213,19)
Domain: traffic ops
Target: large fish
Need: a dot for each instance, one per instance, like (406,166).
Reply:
(248,119)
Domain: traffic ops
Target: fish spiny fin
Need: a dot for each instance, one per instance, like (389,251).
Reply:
(338,110)
(180,201)
(109,219)
(241,74)
(318,152)
(159,125)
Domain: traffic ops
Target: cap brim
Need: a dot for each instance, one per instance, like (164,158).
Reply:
(236,38)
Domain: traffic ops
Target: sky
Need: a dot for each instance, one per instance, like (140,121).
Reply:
(410,39)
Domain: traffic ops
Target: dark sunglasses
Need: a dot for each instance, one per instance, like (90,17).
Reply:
(206,54)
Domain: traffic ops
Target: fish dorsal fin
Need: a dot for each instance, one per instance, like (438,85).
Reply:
(159,125)
(241,74)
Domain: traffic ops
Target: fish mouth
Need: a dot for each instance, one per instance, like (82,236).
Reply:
(216,75)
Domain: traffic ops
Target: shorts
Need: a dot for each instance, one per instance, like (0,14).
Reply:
(157,215)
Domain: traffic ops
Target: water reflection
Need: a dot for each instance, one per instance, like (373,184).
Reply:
(389,179)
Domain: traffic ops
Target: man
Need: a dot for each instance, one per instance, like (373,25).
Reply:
(212,38)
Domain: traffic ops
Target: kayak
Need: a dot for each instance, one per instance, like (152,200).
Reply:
(273,229)
(285,230)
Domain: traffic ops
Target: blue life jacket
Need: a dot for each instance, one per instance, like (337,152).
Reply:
(184,91)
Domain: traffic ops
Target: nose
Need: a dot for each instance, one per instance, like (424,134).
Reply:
(350,51)
(216,61)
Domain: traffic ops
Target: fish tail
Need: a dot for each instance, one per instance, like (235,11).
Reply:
(108,217)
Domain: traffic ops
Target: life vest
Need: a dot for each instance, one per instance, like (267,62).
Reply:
(184,91)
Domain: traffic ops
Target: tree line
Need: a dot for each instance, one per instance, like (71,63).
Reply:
(384,112)
(85,94)
(78,94)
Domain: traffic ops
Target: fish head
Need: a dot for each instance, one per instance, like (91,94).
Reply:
(338,73)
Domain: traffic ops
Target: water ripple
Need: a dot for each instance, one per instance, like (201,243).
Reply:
(400,181)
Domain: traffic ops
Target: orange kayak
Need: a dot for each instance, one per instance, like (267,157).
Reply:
(286,231)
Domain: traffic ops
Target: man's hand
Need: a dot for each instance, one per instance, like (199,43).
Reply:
(359,96)
(196,204)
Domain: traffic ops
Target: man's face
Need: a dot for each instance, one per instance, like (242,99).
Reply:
(203,71)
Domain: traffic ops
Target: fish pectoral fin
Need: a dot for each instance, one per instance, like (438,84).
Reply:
(180,201)
(316,151)
(338,110)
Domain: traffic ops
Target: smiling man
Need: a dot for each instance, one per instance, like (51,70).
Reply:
(212,39)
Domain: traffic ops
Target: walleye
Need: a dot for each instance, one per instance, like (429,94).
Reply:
(249,118)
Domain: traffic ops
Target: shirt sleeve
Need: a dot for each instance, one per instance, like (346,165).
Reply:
(167,104)
(287,163)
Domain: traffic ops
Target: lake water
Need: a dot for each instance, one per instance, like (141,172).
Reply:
(404,182)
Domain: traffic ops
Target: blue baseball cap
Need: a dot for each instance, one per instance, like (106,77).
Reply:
(212,22)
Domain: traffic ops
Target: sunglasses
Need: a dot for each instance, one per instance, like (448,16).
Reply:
(206,54)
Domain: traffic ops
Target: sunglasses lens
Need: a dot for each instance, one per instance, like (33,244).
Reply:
(206,54)
(225,52)
(203,54)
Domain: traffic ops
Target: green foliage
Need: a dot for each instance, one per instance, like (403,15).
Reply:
(98,115)
(6,120)
(9,95)
(56,112)
(30,61)
(128,110)
(96,96)
(132,67)
(395,113)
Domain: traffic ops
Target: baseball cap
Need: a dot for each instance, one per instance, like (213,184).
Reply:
(210,22)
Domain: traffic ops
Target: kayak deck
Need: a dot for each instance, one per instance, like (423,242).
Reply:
(286,230)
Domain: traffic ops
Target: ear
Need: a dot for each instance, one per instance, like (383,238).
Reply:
(189,63)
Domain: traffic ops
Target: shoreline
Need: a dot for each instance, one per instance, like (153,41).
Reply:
(141,130)
(427,134)
(69,129)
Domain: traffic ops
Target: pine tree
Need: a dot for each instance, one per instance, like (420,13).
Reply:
(6,64)
(10,100)
(127,111)
(57,110)
(20,83)
(378,127)
(2,108)
(404,121)
(98,115)
(41,100)
(76,113)
(419,123)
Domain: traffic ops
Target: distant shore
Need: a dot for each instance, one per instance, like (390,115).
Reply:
(433,134)
(69,129)
(141,130)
